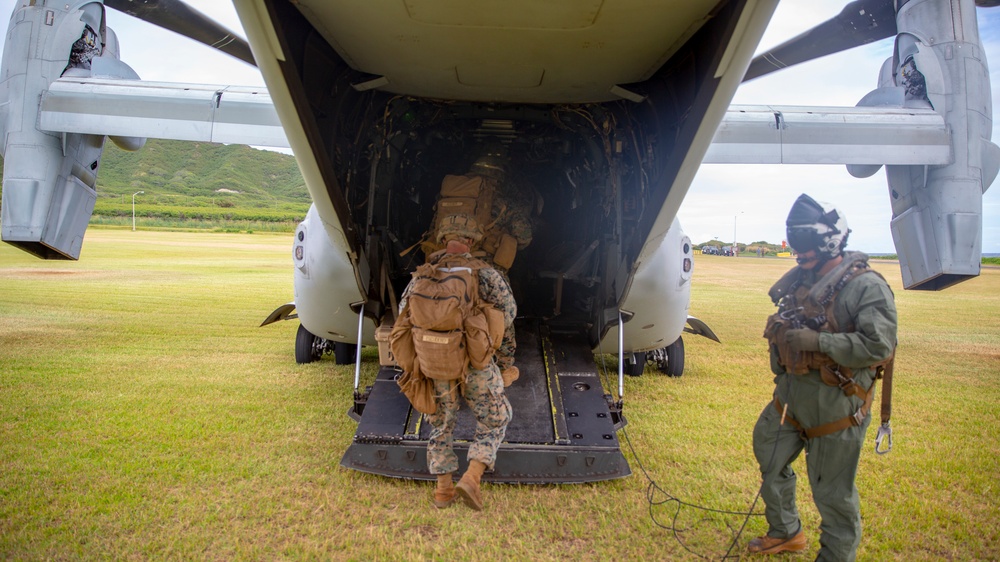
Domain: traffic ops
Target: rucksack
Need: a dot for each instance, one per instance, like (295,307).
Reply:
(460,195)
(445,326)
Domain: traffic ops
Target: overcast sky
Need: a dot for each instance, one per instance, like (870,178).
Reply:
(752,200)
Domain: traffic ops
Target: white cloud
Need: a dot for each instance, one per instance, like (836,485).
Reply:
(719,192)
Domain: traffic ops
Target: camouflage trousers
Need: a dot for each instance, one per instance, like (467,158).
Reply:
(483,392)
(505,354)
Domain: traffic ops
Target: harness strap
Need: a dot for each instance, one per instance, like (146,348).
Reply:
(855,419)
(887,390)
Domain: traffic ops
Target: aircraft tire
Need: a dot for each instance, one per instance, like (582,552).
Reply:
(344,353)
(305,346)
(674,366)
(635,364)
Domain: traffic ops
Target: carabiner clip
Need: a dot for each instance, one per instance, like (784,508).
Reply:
(791,313)
(883,431)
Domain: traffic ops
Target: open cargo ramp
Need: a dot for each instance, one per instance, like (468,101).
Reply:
(563,428)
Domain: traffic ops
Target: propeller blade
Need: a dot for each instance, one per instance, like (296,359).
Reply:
(178,17)
(859,23)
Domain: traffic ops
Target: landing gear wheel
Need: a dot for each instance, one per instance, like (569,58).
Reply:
(635,363)
(673,364)
(344,353)
(307,346)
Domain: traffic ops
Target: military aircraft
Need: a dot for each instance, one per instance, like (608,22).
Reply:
(605,108)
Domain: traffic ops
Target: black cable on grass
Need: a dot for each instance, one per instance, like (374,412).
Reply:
(653,489)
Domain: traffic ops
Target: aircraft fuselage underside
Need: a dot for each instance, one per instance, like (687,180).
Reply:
(563,428)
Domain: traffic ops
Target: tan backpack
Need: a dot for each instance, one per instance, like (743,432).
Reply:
(460,195)
(445,326)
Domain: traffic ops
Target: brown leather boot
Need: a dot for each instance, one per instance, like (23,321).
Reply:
(444,494)
(773,545)
(468,486)
(510,374)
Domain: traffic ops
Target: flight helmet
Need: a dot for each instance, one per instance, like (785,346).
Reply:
(816,226)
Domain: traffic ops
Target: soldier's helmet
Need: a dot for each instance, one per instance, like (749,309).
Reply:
(816,226)
(492,162)
(459,226)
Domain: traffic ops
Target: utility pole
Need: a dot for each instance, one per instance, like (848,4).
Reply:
(133,209)
(735,248)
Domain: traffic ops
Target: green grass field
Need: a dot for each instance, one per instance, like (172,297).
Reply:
(143,414)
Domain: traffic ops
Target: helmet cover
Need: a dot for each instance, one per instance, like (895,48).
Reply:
(492,162)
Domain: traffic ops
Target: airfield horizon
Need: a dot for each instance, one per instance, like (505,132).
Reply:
(144,414)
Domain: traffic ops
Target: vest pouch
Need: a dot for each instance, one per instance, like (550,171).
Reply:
(419,390)
(495,319)
(477,339)
(401,342)
(442,354)
(506,250)
(490,242)
(774,331)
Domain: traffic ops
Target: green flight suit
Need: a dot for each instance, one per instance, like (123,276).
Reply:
(867,304)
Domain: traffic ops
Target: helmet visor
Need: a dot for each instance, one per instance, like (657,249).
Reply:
(803,239)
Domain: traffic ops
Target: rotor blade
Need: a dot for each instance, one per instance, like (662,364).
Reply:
(859,23)
(178,17)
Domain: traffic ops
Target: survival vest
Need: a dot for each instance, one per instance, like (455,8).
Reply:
(805,307)
(813,308)
(445,326)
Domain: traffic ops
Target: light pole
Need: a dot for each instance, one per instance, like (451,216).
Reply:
(735,251)
(133,209)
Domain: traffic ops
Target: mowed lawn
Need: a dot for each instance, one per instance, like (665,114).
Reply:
(143,414)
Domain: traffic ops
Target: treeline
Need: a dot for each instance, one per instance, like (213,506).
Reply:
(105,209)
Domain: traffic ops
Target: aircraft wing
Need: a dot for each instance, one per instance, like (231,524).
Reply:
(751,134)
(748,134)
(133,108)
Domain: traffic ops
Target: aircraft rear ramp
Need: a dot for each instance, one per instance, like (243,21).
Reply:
(563,428)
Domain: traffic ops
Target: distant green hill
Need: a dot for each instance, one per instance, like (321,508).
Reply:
(190,169)
(200,185)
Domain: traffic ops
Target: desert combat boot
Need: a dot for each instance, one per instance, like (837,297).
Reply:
(444,494)
(468,486)
(774,545)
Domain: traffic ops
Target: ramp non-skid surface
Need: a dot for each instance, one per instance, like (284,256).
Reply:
(561,430)
(528,396)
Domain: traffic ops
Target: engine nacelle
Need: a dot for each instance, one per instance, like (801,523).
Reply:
(49,177)
(659,296)
(326,290)
(937,210)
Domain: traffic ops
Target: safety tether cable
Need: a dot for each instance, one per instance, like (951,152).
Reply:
(653,490)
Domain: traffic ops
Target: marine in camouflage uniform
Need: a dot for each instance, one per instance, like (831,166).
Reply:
(511,208)
(863,308)
(511,212)
(483,390)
